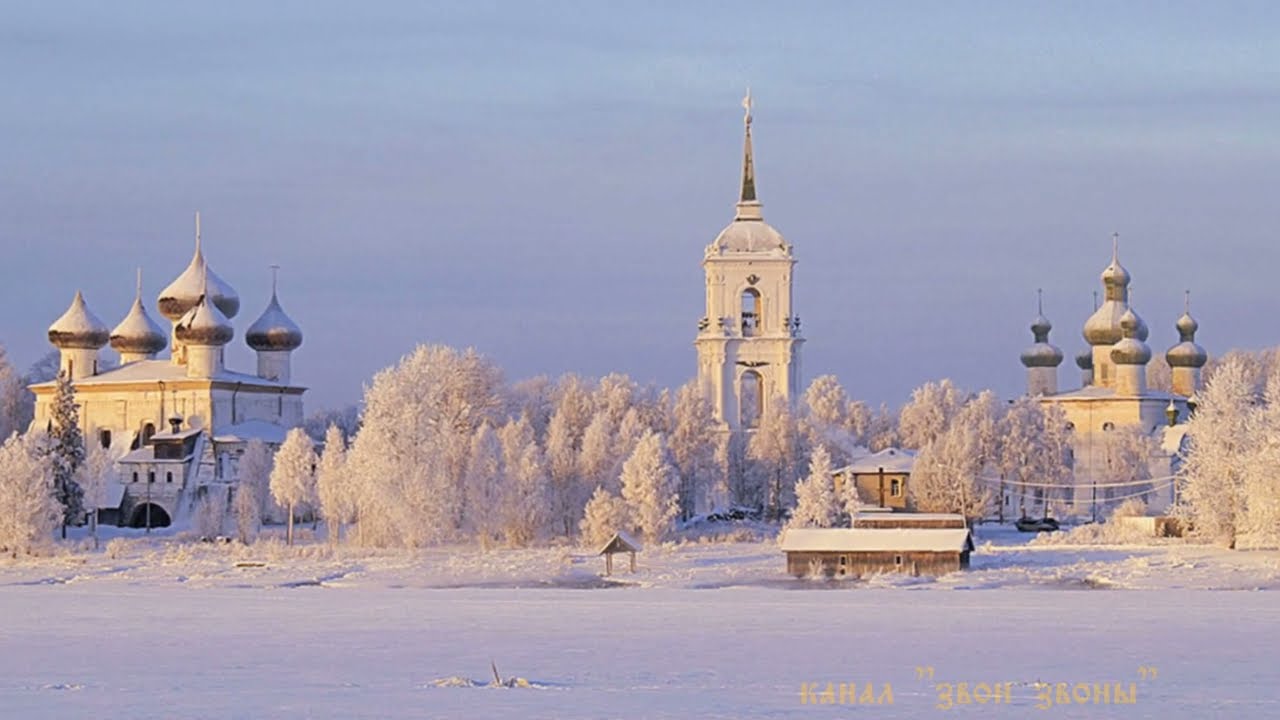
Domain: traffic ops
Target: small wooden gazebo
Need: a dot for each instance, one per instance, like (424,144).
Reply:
(620,542)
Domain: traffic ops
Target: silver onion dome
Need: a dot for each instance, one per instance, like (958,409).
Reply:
(78,327)
(1130,350)
(1041,353)
(138,333)
(274,329)
(197,280)
(1084,359)
(204,325)
(1187,353)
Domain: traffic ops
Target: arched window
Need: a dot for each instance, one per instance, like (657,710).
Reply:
(1108,426)
(750,312)
(135,477)
(147,431)
(104,437)
(751,394)
(168,477)
(1071,427)
(151,476)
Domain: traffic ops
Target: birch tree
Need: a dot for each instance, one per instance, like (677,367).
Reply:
(649,487)
(293,480)
(816,502)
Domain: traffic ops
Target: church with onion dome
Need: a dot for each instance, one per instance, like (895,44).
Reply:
(177,424)
(1114,392)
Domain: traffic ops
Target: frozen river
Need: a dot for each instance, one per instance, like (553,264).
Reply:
(128,650)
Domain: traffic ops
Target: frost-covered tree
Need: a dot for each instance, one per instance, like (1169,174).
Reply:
(411,454)
(605,513)
(293,479)
(65,451)
(816,502)
(882,430)
(252,475)
(16,401)
(1222,436)
(524,505)
(98,469)
(649,487)
(596,459)
(211,512)
(929,413)
(346,418)
(567,492)
(1033,453)
(947,475)
(533,399)
(1125,465)
(333,484)
(30,508)
(694,437)
(485,482)
(776,452)
(826,419)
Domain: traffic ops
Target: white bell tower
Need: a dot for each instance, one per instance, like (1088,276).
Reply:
(749,340)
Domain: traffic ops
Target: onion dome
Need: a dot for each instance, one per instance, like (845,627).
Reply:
(1041,353)
(1103,327)
(184,293)
(1187,353)
(1130,350)
(749,233)
(138,333)
(274,330)
(78,328)
(204,325)
(1084,359)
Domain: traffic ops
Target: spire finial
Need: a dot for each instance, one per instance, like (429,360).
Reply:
(1095,301)
(1115,247)
(1040,301)
(139,297)
(748,190)
(1186,302)
(275,277)
(197,232)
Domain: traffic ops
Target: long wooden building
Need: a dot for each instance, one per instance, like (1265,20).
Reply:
(857,552)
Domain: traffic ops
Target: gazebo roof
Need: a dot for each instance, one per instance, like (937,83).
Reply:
(620,542)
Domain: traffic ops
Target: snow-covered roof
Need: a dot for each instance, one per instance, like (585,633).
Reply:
(892,460)
(751,236)
(267,432)
(78,327)
(147,454)
(620,542)
(1094,392)
(180,435)
(112,495)
(876,540)
(164,370)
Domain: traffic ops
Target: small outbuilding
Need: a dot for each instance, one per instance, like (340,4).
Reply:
(856,552)
(619,543)
(881,478)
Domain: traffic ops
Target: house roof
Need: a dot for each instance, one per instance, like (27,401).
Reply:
(876,540)
(263,430)
(892,460)
(620,542)
(875,514)
(163,370)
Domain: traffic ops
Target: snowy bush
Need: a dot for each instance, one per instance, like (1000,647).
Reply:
(816,502)
(1132,507)
(209,515)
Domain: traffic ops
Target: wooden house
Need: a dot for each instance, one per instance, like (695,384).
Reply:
(881,478)
(861,551)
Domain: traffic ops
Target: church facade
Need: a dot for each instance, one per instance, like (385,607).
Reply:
(1114,394)
(749,340)
(177,424)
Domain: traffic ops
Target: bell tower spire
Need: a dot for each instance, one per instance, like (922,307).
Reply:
(748,203)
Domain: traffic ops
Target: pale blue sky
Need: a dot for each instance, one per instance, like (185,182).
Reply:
(539,179)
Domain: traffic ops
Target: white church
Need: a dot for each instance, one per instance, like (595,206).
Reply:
(178,424)
(1114,393)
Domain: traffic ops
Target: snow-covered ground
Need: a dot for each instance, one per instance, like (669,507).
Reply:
(158,628)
